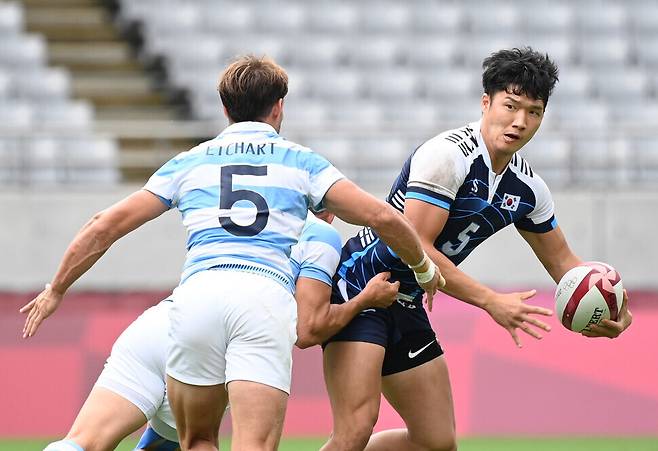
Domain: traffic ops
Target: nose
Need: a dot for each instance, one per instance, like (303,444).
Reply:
(520,120)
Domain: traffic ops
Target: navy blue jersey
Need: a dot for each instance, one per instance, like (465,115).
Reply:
(452,171)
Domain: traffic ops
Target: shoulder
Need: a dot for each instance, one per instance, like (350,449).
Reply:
(316,230)
(521,167)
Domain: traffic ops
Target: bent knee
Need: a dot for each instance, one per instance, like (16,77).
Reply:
(354,432)
(435,442)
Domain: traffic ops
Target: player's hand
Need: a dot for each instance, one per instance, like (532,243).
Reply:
(39,309)
(379,292)
(433,286)
(510,311)
(612,329)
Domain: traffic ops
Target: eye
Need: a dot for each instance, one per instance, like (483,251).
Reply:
(509,106)
(535,113)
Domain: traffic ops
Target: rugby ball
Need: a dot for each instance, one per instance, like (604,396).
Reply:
(587,294)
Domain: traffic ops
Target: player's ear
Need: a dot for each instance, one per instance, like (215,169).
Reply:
(485,102)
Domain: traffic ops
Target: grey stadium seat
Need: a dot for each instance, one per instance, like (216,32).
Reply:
(11,18)
(334,17)
(373,51)
(432,18)
(392,84)
(390,17)
(336,84)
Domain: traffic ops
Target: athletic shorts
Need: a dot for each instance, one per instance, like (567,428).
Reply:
(230,325)
(136,367)
(403,329)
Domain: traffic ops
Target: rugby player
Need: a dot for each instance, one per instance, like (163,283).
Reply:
(243,197)
(131,388)
(457,189)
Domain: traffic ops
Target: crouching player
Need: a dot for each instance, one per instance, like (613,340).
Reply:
(131,389)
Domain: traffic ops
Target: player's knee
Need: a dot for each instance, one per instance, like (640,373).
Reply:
(354,433)
(446,441)
(64,445)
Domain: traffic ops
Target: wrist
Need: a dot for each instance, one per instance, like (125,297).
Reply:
(423,277)
(422,265)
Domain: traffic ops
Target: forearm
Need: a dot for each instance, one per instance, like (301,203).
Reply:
(398,233)
(337,317)
(459,284)
(558,267)
(83,252)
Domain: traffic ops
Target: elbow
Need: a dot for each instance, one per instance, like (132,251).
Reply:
(384,217)
(103,232)
(308,335)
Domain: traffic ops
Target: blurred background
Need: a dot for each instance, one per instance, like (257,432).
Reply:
(95,95)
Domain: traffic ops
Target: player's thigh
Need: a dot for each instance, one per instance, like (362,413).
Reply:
(104,420)
(198,410)
(352,373)
(257,413)
(423,397)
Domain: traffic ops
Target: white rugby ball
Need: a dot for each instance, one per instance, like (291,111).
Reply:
(587,294)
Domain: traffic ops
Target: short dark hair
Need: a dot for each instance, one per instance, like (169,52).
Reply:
(250,86)
(522,71)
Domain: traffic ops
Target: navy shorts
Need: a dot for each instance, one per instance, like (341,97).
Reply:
(403,329)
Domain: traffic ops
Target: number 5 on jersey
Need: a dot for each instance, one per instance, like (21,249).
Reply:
(228,197)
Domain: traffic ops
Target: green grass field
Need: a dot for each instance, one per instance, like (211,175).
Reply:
(472,444)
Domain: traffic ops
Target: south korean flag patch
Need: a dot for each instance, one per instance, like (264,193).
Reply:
(510,202)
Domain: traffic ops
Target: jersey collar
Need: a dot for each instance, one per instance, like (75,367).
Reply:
(249,127)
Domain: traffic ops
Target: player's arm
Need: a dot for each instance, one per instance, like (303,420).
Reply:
(95,238)
(507,309)
(552,250)
(318,319)
(353,205)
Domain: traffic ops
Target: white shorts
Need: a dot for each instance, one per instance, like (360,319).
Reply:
(229,325)
(135,369)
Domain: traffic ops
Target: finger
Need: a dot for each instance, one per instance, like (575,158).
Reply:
(515,337)
(442,281)
(597,333)
(384,275)
(528,294)
(27,306)
(609,325)
(34,326)
(537,310)
(396,285)
(530,331)
(535,322)
(430,302)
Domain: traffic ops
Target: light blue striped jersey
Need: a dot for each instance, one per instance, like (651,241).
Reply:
(317,253)
(244,197)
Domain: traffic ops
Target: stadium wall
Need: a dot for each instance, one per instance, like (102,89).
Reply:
(563,385)
(612,226)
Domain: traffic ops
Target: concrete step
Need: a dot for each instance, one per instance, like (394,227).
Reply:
(101,54)
(78,33)
(134,112)
(69,16)
(61,3)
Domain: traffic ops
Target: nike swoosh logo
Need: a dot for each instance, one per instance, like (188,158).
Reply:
(414,354)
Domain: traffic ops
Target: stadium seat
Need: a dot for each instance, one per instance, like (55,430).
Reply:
(305,113)
(493,17)
(335,84)
(411,113)
(538,18)
(16,116)
(52,83)
(11,18)
(450,83)
(429,52)
(316,51)
(601,18)
(605,52)
(339,151)
(280,17)
(333,17)
(66,115)
(389,17)
(22,51)
(629,84)
(392,84)
(356,114)
(434,19)
(373,52)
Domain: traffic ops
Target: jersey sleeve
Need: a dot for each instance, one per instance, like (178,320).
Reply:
(164,183)
(436,173)
(317,253)
(542,218)
(322,175)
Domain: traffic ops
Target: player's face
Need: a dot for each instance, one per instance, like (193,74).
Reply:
(509,121)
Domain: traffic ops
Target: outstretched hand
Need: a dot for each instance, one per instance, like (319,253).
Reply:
(40,308)
(612,329)
(379,292)
(510,311)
